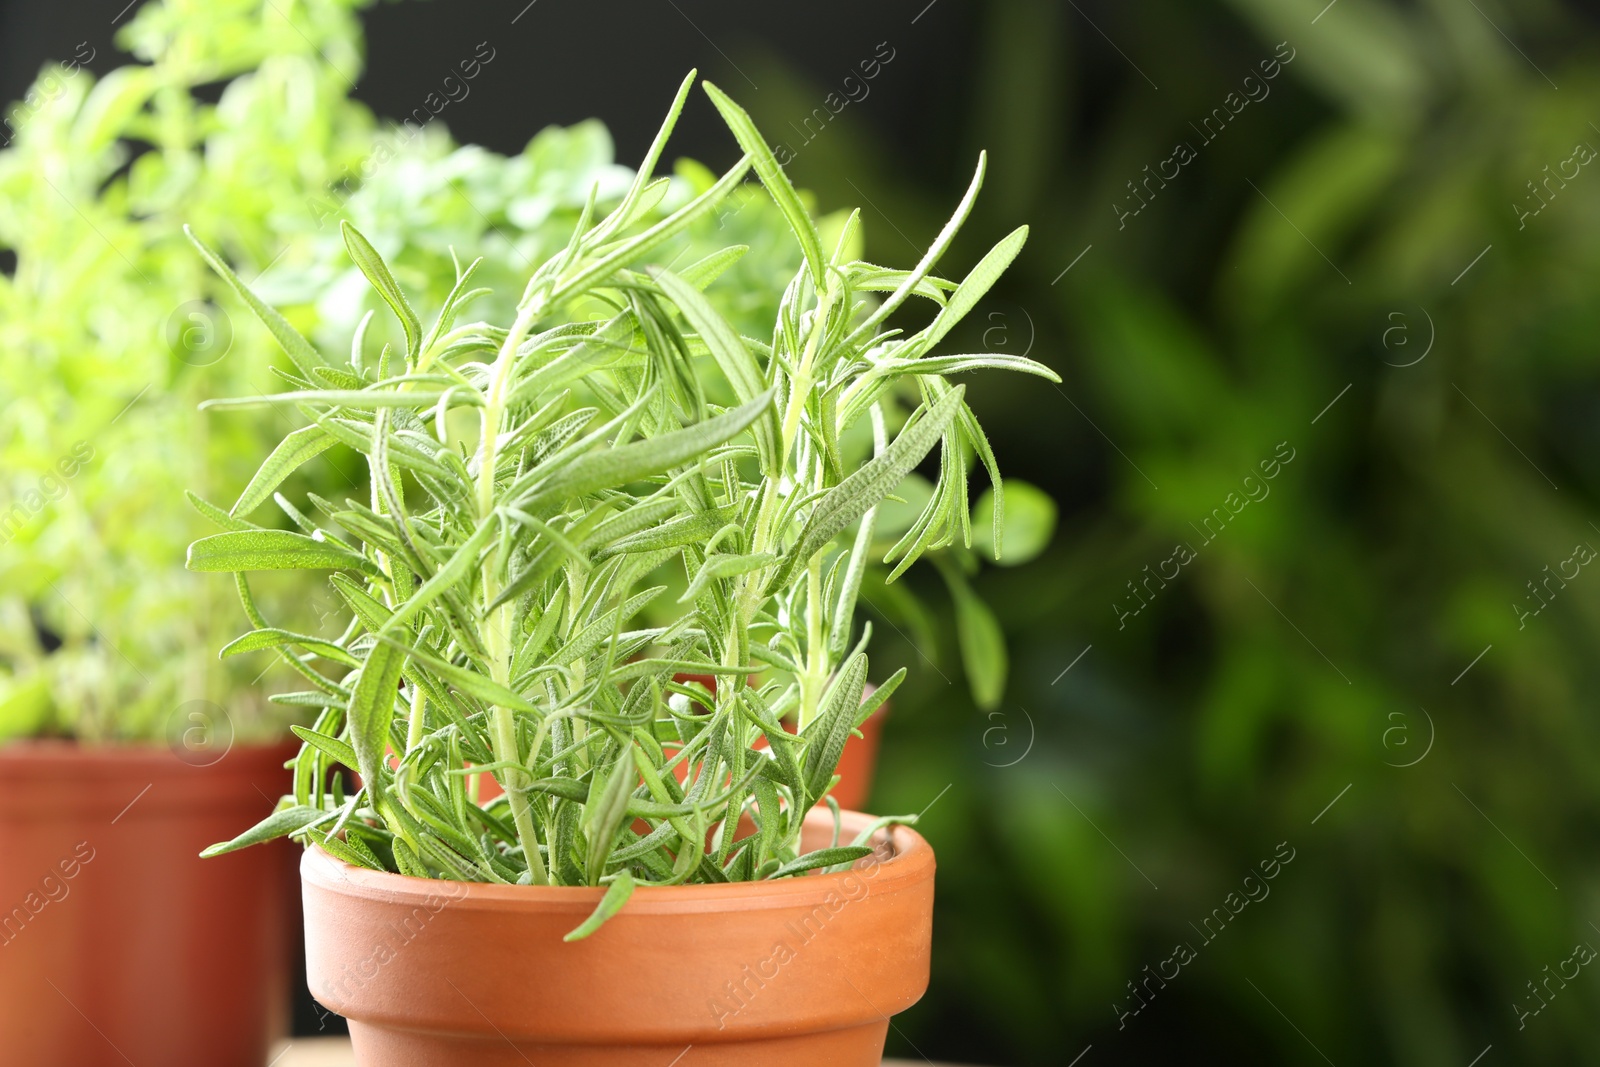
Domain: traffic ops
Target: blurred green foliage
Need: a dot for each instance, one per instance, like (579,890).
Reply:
(1319,639)
(108,341)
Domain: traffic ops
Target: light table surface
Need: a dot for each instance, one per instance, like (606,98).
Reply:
(335,1052)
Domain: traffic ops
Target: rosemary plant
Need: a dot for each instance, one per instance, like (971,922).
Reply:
(531,482)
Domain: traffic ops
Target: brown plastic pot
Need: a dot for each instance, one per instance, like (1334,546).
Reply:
(800,971)
(118,944)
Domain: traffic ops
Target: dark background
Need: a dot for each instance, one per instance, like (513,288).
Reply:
(570,61)
(1256,702)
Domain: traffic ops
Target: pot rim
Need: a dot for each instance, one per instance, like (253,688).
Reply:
(74,750)
(912,858)
(56,778)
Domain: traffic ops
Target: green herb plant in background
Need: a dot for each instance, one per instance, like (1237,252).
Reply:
(431,196)
(108,339)
(111,330)
(533,487)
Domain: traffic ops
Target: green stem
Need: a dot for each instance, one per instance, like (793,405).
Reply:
(497,636)
(856,387)
(414,725)
(816,672)
(763,537)
(801,384)
(800,389)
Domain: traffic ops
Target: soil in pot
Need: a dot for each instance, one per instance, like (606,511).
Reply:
(799,971)
(118,944)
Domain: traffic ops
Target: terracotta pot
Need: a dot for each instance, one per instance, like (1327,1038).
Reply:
(118,944)
(802,971)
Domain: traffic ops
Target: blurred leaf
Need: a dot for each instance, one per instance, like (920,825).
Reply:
(898,512)
(1159,370)
(1304,216)
(1364,55)
(904,611)
(983,643)
(24,706)
(1030,521)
